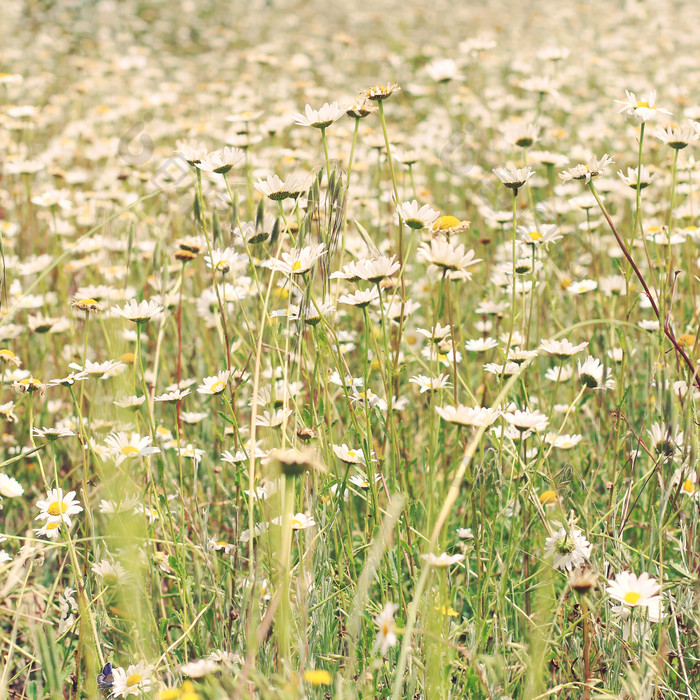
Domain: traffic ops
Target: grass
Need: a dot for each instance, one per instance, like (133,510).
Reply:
(341,447)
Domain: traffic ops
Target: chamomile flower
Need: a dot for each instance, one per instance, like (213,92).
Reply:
(348,455)
(129,445)
(586,171)
(173,396)
(58,506)
(320,118)
(632,590)
(593,375)
(514,178)
(415,216)
(643,109)
(562,349)
(136,680)
(525,420)
(138,311)
(386,629)
(216,384)
(220,162)
(442,561)
(111,574)
(569,550)
(9,487)
(446,259)
(469,416)
(442,381)
(664,441)
(297,262)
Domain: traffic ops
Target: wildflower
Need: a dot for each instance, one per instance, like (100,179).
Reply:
(688,482)
(377,269)
(526,420)
(360,110)
(582,286)
(58,507)
(442,381)
(215,384)
(320,118)
(317,677)
(292,462)
(415,217)
(223,260)
(441,561)
(442,70)
(547,233)
(86,305)
(7,411)
(569,550)
(50,529)
(636,177)
(559,374)
(273,419)
(481,344)
(127,446)
(586,171)
(450,226)
(186,692)
(582,581)
(386,634)
(277,190)
(52,434)
(379,93)
(548,498)
(437,334)
(220,162)
(110,368)
(360,298)
(522,135)
(642,110)
(447,260)
(301,521)
(173,396)
(199,668)
(348,456)
(136,680)
(592,374)
(465,415)
(29,385)
(112,574)
(563,442)
(131,403)
(562,348)
(9,357)
(633,591)
(9,487)
(514,178)
(138,312)
(299,261)
(664,442)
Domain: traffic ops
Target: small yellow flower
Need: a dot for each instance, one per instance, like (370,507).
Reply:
(86,305)
(548,498)
(318,676)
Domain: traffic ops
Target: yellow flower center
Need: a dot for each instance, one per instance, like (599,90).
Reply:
(53,526)
(222,266)
(133,679)
(221,543)
(6,354)
(297,266)
(351,454)
(218,387)
(632,597)
(688,486)
(57,508)
(548,497)
(687,339)
(446,222)
(641,103)
(296,523)
(535,235)
(129,450)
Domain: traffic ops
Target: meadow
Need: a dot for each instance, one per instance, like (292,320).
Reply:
(349,350)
